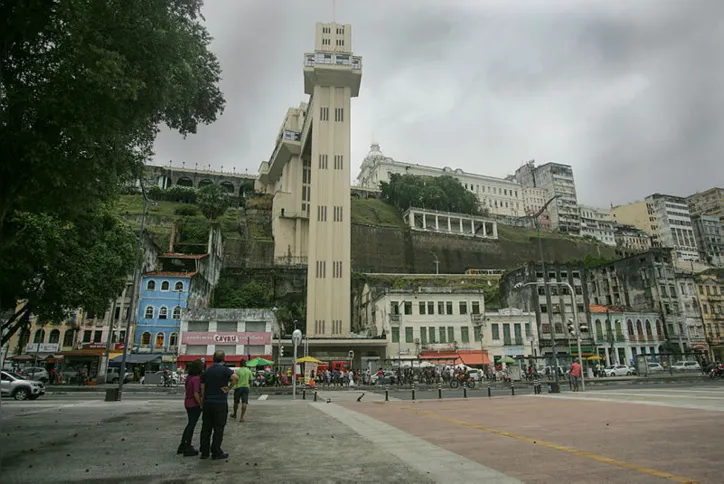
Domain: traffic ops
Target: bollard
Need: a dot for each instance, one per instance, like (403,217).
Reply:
(304,394)
(489,393)
(512,388)
(315,396)
(387,393)
(465,392)
(439,391)
(413,393)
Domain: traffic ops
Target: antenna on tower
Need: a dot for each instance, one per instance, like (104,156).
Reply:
(334,11)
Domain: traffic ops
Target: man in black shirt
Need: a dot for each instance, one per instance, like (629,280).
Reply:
(214,394)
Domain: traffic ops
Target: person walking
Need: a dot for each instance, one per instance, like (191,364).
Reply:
(193,404)
(241,390)
(214,391)
(575,374)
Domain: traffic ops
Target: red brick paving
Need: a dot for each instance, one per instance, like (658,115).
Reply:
(683,442)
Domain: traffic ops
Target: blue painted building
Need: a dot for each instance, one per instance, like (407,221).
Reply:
(164,296)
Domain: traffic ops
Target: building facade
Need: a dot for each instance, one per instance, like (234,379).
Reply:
(557,179)
(710,288)
(309,176)
(598,223)
(630,240)
(242,334)
(524,289)
(497,195)
(709,234)
(622,336)
(533,200)
(666,218)
(709,202)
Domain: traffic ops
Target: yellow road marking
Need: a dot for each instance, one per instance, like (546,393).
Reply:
(551,445)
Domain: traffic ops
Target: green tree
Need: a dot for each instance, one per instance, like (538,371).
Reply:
(213,201)
(85,86)
(249,295)
(440,193)
(55,267)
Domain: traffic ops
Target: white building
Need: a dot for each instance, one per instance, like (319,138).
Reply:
(510,332)
(499,196)
(598,223)
(242,334)
(558,180)
(620,336)
(309,176)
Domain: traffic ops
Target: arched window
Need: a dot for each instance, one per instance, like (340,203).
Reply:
(177,312)
(54,336)
(629,326)
(179,286)
(163,313)
(159,340)
(151,286)
(24,337)
(608,328)
(173,341)
(659,331)
(165,285)
(148,314)
(599,330)
(648,328)
(619,331)
(639,328)
(146,339)
(68,337)
(39,336)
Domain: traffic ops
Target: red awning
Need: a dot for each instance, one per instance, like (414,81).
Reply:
(470,358)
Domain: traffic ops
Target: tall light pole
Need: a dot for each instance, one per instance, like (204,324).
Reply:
(578,330)
(296,339)
(132,297)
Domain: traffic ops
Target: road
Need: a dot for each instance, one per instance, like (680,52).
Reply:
(641,434)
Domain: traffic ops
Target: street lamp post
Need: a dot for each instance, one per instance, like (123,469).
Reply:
(578,330)
(296,339)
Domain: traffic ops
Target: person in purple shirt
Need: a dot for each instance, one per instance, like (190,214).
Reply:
(193,405)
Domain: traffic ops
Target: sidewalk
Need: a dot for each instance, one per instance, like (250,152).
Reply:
(94,441)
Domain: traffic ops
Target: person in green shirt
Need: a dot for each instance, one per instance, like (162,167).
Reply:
(241,390)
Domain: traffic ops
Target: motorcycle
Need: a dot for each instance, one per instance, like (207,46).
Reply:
(716,372)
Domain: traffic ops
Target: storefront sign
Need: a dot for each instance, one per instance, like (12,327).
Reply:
(41,348)
(101,346)
(227,338)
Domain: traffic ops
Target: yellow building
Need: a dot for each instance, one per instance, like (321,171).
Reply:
(710,288)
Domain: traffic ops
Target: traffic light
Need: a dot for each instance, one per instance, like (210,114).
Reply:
(281,352)
(351,355)
(571,328)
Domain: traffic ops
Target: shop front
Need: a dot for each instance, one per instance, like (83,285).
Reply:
(231,360)
(86,361)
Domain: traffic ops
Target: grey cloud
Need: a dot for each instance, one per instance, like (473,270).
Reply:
(628,93)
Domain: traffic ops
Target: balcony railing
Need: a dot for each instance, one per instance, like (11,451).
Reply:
(310,60)
(291,135)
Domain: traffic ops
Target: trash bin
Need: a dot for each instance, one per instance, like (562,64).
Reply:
(112,395)
(554,387)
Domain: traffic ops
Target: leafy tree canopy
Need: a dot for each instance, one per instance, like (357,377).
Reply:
(213,201)
(56,267)
(85,86)
(439,193)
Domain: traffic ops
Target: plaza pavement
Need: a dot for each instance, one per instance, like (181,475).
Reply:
(627,436)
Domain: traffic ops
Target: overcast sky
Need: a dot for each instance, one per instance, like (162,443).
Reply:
(631,94)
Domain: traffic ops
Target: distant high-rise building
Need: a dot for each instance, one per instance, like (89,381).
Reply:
(598,223)
(709,239)
(558,180)
(666,218)
(709,202)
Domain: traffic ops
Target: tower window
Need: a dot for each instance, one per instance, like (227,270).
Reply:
(321,213)
(339,114)
(321,269)
(323,161)
(338,162)
(324,114)
(337,269)
(337,214)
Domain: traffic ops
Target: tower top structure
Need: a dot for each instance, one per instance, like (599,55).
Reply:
(332,62)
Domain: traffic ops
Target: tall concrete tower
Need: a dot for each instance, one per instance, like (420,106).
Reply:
(332,77)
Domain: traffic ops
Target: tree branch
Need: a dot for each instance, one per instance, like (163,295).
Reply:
(13,324)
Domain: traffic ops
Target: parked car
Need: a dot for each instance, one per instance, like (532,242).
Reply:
(686,366)
(113,375)
(390,377)
(37,373)
(617,370)
(14,385)
(654,367)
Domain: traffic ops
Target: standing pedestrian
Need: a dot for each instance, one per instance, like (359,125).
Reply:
(241,390)
(575,374)
(193,404)
(214,391)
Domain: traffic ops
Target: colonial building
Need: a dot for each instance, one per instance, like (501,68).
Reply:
(525,288)
(556,179)
(622,335)
(499,196)
(710,288)
(630,240)
(709,234)
(243,334)
(709,202)
(309,175)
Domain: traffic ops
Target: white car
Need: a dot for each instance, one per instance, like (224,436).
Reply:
(617,370)
(654,367)
(17,387)
(686,366)
(36,373)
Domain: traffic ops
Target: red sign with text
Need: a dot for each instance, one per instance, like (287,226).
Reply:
(226,338)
